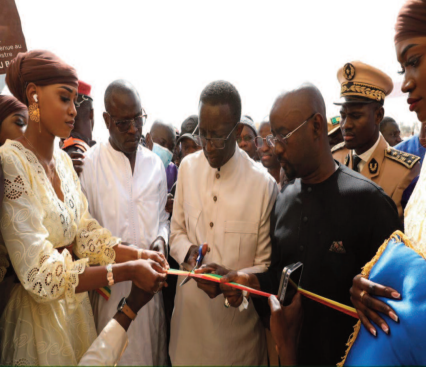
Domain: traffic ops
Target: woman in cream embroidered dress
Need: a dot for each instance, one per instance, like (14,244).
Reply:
(32,209)
(45,220)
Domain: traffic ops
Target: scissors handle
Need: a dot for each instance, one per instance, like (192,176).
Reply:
(200,256)
(197,264)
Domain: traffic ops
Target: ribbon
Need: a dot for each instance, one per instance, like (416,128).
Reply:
(320,299)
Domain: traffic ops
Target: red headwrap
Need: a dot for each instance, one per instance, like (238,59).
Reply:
(39,67)
(411,21)
(9,105)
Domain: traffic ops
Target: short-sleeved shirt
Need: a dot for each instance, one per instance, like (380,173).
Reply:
(333,228)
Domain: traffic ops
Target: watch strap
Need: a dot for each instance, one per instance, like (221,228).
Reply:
(128,312)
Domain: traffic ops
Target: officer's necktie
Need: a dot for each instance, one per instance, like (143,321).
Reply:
(355,162)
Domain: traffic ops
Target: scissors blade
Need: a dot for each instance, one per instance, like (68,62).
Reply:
(187,278)
(197,264)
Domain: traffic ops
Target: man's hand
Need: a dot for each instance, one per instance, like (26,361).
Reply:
(159,245)
(148,275)
(213,268)
(169,204)
(192,255)
(77,161)
(235,296)
(367,306)
(285,324)
(212,289)
(138,298)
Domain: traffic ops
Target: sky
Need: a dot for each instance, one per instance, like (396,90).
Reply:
(170,50)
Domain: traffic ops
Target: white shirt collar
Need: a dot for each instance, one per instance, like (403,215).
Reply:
(367,154)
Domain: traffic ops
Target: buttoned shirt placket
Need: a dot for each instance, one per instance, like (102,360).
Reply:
(213,207)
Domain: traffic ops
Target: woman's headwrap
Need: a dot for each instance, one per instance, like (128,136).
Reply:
(9,105)
(411,21)
(39,67)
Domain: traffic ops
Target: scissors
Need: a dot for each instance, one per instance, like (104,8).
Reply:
(201,253)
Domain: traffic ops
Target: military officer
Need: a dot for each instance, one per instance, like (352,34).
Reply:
(363,91)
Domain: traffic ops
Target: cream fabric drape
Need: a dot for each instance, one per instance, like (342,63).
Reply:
(415,213)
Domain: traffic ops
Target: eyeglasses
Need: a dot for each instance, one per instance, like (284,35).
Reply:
(258,141)
(83,99)
(124,125)
(218,143)
(272,140)
(246,138)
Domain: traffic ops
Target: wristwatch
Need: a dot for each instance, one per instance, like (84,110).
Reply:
(124,308)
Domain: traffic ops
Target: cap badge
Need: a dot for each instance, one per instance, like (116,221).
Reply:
(373,166)
(349,71)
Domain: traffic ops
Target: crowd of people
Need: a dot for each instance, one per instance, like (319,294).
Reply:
(89,230)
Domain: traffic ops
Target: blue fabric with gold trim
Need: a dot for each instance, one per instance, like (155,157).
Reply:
(401,268)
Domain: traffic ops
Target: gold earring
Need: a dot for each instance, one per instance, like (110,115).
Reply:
(34,113)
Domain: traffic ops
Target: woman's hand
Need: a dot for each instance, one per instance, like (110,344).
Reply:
(367,306)
(156,256)
(148,275)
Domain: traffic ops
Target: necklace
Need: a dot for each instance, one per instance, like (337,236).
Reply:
(50,176)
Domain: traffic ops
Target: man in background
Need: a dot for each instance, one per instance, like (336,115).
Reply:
(126,189)
(266,151)
(246,139)
(390,131)
(162,141)
(80,139)
(364,148)
(187,141)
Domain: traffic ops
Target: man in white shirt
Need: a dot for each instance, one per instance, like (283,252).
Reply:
(126,189)
(223,199)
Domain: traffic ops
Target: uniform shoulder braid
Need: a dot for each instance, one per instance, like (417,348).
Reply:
(338,147)
(403,158)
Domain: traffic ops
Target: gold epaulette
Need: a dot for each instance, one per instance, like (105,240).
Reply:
(403,158)
(337,147)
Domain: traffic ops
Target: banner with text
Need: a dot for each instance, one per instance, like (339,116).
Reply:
(12,40)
